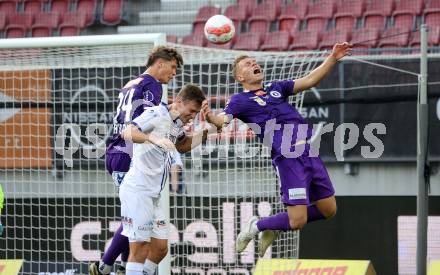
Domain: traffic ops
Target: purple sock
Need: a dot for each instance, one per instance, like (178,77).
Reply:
(313,214)
(119,244)
(280,221)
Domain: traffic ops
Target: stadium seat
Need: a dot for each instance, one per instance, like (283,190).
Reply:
(404,21)
(248,41)
(111,12)
(59,6)
(345,22)
(296,10)
(319,13)
(171,38)
(375,22)
(365,38)
(432,6)
(206,12)
(72,23)
(21,19)
(351,8)
(248,5)
(3,21)
(276,41)
(45,24)
(15,31)
(8,6)
(75,18)
(198,28)
(408,7)
(395,37)
(34,6)
(306,40)
(87,7)
(289,25)
(196,39)
(261,17)
(432,19)
(237,14)
(433,38)
(277,3)
(379,7)
(333,36)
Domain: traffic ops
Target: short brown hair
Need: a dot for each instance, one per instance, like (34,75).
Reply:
(166,53)
(191,92)
(235,64)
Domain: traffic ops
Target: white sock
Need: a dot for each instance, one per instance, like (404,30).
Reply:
(254,228)
(133,268)
(149,267)
(104,268)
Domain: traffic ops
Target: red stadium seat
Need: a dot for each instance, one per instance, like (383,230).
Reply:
(194,40)
(365,38)
(265,11)
(59,6)
(404,21)
(69,30)
(331,37)
(206,12)
(318,24)
(45,24)
(296,10)
(321,9)
(345,22)
(277,3)
(87,7)
(375,22)
(306,40)
(21,19)
(276,41)
(72,23)
(351,8)
(34,6)
(8,7)
(237,14)
(289,25)
(408,7)
(432,6)
(247,4)
(198,28)
(259,25)
(15,31)
(432,19)
(248,41)
(2,21)
(111,12)
(433,38)
(379,7)
(171,38)
(394,38)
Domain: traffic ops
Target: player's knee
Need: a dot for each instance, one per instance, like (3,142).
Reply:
(139,252)
(330,211)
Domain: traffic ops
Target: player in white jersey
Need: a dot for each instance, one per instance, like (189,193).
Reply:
(155,134)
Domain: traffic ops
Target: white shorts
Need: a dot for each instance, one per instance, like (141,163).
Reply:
(142,216)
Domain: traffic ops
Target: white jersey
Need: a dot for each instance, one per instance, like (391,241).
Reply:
(150,163)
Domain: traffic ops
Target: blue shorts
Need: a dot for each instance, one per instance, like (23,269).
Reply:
(303,180)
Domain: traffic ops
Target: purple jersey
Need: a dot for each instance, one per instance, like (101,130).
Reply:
(140,93)
(269,109)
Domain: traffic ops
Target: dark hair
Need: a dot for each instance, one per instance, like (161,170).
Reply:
(191,92)
(166,53)
(235,64)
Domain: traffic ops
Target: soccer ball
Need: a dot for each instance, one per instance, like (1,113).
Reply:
(219,29)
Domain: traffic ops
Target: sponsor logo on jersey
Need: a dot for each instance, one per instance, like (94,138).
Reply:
(259,100)
(275,94)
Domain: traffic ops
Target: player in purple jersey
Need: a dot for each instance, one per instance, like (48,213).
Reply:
(305,186)
(140,93)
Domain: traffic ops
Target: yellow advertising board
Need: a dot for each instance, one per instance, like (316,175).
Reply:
(315,267)
(434,267)
(10,267)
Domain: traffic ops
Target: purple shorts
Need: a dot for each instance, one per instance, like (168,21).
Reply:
(303,180)
(119,162)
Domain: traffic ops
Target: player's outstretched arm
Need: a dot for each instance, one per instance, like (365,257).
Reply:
(190,142)
(314,77)
(133,134)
